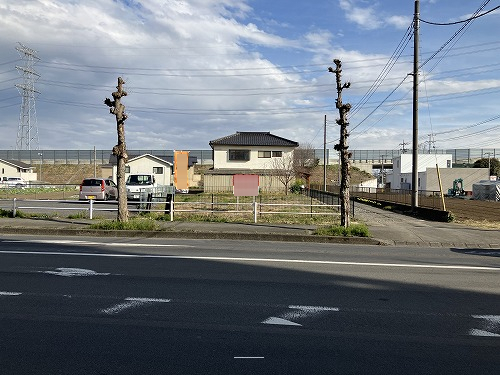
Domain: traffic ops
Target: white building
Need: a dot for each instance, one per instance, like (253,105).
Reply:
(146,163)
(428,164)
(15,168)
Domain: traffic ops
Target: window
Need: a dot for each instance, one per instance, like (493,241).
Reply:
(239,155)
(158,170)
(127,169)
(264,154)
(277,154)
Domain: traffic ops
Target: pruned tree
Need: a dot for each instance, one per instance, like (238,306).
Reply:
(120,150)
(342,146)
(283,169)
(304,161)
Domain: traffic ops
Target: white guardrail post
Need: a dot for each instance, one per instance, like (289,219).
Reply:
(14,207)
(172,209)
(91,208)
(254,210)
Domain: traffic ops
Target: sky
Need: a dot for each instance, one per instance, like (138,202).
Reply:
(198,70)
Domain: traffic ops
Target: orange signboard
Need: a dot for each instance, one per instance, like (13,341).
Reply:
(181,166)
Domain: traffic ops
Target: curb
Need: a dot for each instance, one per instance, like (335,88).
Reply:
(193,235)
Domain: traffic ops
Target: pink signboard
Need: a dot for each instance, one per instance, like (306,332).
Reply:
(246,185)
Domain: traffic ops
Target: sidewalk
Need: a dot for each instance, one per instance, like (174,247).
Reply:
(386,228)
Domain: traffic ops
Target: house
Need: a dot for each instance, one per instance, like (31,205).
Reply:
(428,164)
(259,153)
(15,168)
(161,166)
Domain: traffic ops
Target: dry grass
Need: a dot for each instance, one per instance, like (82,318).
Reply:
(482,224)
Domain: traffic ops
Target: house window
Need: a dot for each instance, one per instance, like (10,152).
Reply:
(264,154)
(277,154)
(127,169)
(239,155)
(158,170)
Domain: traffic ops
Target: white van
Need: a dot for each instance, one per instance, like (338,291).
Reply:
(137,183)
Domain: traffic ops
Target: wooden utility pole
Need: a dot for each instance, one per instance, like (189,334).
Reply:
(342,146)
(120,150)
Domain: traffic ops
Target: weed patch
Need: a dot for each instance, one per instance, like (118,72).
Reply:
(355,230)
(138,224)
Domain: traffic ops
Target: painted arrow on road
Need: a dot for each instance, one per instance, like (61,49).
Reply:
(491,326)
(297,313)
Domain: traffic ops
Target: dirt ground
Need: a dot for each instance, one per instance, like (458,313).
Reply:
(465,210)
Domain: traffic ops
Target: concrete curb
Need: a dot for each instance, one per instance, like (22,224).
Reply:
(193,235)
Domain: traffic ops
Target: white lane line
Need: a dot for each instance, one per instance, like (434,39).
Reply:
(10,293)
(263,260)
(248,357)
(132,302)
(71,272)
(92,243)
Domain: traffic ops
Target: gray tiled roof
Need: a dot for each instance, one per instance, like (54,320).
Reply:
(253,139)
(16,163)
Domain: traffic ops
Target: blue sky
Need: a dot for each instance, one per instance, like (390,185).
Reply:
(197,70)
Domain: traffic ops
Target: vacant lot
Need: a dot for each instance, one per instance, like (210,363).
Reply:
(465,210)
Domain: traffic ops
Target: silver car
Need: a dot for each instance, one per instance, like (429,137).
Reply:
(98,189)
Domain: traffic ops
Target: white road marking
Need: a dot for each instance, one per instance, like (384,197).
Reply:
(71,272)
(132,302)
(263,260)
(92,243)
(248,357)
(298,312)
(10,293)
(480,332)
(280,321)
(491,325)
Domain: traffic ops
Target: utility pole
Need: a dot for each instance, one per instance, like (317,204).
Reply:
(324,156)
(342,146)
(382,171)
(431,142)
(414,176)
(403,149)
(120,150)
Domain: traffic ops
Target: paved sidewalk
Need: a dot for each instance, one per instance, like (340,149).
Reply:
(386,228)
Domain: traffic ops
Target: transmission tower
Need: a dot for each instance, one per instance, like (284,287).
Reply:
(27,132)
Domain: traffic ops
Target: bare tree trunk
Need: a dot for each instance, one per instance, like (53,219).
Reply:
(342,146)
(120,150)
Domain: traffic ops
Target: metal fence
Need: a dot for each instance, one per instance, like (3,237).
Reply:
(183,204)
(426,198)
(460,157)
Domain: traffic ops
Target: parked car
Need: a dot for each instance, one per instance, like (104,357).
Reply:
(137,183)
(98,188)
(17,182)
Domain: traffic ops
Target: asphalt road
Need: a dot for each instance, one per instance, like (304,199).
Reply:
(158,306)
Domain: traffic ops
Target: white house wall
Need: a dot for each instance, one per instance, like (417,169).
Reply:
(403,164)
(221,157)
(7,170)
(146,165)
